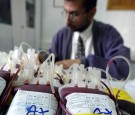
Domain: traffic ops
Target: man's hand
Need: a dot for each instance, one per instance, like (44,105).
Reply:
(67,63)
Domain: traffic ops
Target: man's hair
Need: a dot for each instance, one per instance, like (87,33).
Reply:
(87,4)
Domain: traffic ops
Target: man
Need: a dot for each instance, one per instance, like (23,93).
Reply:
(101,42)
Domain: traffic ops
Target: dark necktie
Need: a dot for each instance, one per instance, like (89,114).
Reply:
(80,49)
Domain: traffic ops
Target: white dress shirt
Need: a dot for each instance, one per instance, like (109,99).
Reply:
(86,36)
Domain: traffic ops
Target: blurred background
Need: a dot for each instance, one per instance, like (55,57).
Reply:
(36,21)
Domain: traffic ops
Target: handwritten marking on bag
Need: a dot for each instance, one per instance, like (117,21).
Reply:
(107,112)
(33,109)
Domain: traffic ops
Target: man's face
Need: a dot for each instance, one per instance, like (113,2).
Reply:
(76,16)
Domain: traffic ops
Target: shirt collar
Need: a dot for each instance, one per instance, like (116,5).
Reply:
(87,33)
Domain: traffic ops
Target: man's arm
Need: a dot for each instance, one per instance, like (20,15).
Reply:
(67,63)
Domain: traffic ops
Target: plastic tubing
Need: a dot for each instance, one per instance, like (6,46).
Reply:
(22,44)
(86,77)
(108,76)
(52,68)
(75,74)
(107,70)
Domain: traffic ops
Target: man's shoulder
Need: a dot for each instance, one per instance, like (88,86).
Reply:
(102,26)
(104,29)
(63,30)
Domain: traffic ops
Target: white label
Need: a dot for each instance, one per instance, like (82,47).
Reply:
(2,85)
(33,103)
(86,103)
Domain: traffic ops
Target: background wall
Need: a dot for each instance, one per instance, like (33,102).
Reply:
(6,38)
(122,20)
(52,21)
